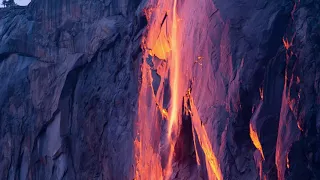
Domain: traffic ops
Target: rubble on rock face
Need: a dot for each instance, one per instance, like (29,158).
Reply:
(87,89)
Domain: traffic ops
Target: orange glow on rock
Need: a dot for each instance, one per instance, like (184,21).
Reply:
(147,132)
(261,93)
(212,163)
(147,157)
(288,163)
(164,113)
(195,148)
(255,140)
(161,47)
(199,60)
(299,126)
(287,132)
(286,43)
(148,12)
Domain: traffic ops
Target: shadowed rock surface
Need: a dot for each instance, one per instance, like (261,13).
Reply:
(70,75)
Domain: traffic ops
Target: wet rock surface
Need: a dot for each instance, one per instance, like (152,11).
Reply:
(71,73)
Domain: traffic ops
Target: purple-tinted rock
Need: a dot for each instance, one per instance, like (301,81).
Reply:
(70,74)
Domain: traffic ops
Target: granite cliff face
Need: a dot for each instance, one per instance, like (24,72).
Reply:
(69,89)
(155,89)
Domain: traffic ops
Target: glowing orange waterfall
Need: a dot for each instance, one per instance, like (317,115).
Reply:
(174,79)
(157,44)
(174,82)
(155,156)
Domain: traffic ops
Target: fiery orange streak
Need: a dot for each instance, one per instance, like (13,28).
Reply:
(255,139)
(211,160)
(299,126)
(195,147)
(174,82)
(261,93)
(288,162)
(286,43)
(281,147)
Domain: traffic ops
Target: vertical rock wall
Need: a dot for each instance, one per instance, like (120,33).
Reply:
(70,74)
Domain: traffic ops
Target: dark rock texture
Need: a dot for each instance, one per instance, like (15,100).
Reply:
(69,89)
(70,75)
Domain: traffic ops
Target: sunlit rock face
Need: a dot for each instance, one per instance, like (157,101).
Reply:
(160,89)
